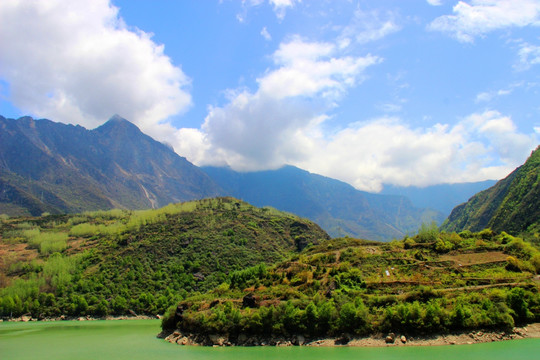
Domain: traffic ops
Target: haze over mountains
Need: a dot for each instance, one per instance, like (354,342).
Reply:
(336,206)
(441,197)
(57,168)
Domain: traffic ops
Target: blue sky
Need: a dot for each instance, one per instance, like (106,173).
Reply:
(413,92)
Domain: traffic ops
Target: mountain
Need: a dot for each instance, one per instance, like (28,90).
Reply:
(442,197)
(511,205)
(118,261)
(57,168)
(336,206)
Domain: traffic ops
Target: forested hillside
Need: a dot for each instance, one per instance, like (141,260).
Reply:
(432,282)
(119,262)
(511,205)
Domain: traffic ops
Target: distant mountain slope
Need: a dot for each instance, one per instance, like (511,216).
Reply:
(336,206)
(511,205)
(442,197)
(53,167)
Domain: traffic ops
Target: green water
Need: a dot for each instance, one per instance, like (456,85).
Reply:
(135,339)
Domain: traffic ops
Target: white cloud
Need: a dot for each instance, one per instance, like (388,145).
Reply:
(77,62)
(480,17)
(277,123)
(386,150)
(280,6)
(529,55)
(265,34)
(490,95)
(368,154)
(434,2)
(309,69)
(368,26)
(285,122)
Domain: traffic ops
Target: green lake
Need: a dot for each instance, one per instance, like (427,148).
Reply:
(136,339)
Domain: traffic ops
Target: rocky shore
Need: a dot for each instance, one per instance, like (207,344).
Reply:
(391,339)
(25,318)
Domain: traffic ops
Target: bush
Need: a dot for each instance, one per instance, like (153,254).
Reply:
(427,233)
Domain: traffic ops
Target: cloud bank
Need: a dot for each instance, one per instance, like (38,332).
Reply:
(77,62)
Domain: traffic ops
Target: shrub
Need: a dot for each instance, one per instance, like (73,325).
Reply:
(427,233)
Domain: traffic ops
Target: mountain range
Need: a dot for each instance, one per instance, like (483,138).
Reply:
(57,168)
(336,206)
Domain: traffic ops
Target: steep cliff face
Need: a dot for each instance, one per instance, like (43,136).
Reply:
(511,205)
(53,167)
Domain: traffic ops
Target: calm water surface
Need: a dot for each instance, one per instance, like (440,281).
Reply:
(136,339)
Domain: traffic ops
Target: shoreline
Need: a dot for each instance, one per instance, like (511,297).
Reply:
(379,340)
(25,318)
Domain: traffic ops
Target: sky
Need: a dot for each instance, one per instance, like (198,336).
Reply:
(402,92)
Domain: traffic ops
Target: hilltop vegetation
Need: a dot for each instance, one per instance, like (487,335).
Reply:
(118,262)
(432,282)
(511,205)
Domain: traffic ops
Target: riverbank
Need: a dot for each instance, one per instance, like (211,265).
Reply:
(25,318)
(380,340)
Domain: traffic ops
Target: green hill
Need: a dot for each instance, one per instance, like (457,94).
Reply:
(511,205)
(434,282)
(119,262)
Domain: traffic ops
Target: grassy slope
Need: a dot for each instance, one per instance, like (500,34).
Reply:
(111,262)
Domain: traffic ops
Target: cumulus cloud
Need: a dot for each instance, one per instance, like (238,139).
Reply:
(480,17)
(78,62)
(386,150)
(285,122)
(276,124)
(309,69)
(434,2)
(368,154)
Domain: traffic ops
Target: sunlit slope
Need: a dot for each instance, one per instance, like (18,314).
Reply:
(511,205)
